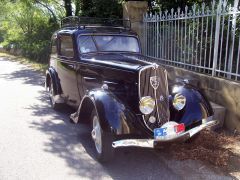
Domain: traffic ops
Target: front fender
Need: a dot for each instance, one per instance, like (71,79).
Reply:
(197,106)
(113,114)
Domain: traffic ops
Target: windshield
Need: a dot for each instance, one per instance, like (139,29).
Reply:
(107,43)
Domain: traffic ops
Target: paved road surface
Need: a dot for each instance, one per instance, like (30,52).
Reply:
(37,142)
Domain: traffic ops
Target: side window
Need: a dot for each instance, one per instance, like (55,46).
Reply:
(54,46)
(66,46)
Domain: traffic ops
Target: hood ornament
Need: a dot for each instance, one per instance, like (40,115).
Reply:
(154,81)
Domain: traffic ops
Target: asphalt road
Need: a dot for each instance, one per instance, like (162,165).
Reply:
(37,142)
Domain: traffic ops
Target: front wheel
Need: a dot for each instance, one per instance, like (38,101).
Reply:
(102,141)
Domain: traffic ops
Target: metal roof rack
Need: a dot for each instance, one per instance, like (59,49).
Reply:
(76,21)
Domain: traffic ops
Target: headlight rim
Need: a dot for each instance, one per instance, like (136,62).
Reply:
(177,106)
(141,104)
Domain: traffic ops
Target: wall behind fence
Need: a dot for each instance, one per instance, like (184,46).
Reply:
(202,39)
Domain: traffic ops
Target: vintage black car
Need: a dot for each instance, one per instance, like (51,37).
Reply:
(96,66)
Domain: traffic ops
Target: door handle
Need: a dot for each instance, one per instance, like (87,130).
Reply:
(89,79)
(72,66)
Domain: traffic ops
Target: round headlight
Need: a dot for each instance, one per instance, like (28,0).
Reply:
(146,105)
(179,101)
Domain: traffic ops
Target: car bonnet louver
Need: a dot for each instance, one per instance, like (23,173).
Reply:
(82,22)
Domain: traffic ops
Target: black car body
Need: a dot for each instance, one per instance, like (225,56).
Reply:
(127,97)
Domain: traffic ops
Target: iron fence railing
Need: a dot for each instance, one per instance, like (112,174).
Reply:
(203,39)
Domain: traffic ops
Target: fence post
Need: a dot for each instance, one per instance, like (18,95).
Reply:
(233,30)
(157,19)
(144,36)
(216,41)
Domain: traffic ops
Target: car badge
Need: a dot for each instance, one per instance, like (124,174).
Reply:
(154,81)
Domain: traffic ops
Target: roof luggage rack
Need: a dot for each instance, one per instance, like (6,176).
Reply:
(76,21)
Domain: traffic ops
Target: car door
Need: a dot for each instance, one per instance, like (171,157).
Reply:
(66,67)
(89,76)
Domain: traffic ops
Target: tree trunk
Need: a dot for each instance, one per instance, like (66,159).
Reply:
(68,7)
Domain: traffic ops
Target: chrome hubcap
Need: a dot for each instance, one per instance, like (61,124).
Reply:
(96,134)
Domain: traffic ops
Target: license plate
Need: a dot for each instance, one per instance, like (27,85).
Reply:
(160,133)
(168,131)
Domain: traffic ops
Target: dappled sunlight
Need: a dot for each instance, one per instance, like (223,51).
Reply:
(65,144)
(63,138)
(28,76)
(66,148)
(73,143)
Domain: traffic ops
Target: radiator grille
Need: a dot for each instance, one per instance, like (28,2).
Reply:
(158,90)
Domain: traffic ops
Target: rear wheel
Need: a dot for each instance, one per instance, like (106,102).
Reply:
(54,104)
(102,141)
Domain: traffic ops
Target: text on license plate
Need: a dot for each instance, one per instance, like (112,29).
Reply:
(163,132)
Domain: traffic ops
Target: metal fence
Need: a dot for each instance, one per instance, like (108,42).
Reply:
(200,38)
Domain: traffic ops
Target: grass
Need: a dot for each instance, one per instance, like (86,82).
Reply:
(35,65)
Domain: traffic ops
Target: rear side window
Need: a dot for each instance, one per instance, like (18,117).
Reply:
(66,47)
(54,46)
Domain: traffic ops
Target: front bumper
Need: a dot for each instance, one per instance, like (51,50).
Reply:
(151,143)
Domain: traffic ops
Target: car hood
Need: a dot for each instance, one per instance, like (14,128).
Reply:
(128,61)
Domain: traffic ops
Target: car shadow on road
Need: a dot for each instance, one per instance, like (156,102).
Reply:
(72,142)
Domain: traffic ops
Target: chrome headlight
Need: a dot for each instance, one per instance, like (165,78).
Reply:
(179,101)
(146,105)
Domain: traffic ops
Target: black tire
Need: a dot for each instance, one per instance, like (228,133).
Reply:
(55,106)
(107,151)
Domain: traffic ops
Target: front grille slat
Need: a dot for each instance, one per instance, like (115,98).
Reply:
(161,111)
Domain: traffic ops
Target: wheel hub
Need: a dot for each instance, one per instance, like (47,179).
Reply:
(96,134)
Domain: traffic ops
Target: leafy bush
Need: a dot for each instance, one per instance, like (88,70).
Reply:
(27,27)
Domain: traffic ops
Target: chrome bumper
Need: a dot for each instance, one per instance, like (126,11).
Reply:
(151,143)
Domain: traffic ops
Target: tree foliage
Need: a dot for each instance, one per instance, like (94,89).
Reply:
(101,8)
(29,24)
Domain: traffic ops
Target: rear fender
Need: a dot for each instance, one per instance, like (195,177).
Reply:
(51,74)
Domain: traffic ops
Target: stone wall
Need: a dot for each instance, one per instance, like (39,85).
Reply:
(220,91)
(134,11)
